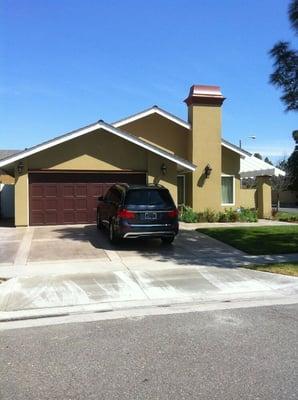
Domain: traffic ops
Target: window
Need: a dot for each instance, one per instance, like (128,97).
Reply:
(149,197)
(181,189)
(227,190)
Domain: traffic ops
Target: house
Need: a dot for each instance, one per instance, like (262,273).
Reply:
(58,181)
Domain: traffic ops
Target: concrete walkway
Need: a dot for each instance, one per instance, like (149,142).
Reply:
(196,268)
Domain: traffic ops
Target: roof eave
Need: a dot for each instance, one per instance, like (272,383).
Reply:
(90,128)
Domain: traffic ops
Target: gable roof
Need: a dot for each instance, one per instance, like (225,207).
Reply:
(91,128)
(159,111)
(150,111)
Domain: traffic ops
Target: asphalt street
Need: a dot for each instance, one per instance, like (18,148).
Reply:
(229,354)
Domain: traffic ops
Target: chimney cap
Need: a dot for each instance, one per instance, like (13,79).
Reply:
(205,94)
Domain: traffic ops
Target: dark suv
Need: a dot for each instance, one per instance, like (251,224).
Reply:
(134,211)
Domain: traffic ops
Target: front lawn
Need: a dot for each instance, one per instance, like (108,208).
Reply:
(258,240)
(281,268)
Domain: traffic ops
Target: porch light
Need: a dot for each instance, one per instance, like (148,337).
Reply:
(208,170)
(163,169)
(20,167)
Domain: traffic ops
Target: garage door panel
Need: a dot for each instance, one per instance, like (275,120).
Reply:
(51,190)
(81,190)
(68,190)
(37,204)
(51,204)
(68,203)
(51,218)
(68,217)
(81,217)
(71,198)
(81,204)
(38,217)
(37,190)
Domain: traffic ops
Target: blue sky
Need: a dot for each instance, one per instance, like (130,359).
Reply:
(67,63)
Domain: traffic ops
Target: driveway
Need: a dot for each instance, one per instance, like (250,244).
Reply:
(76,266)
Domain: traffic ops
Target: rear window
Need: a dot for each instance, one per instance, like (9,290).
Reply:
(149,197)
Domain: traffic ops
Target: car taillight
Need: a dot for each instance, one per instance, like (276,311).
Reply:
(173,213)
(126,214)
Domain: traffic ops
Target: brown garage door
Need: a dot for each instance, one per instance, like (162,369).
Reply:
(71,198)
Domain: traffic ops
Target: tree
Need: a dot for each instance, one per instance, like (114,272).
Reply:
(258,155)
(267,160)
(285,62)
(292,165)
(280,183)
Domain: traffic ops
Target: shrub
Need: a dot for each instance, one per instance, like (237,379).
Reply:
(210,215)
(232,215)
(286,217)
(222,217)
(248,215)
(187,214)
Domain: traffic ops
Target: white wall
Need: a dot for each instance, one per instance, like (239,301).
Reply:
(6,201)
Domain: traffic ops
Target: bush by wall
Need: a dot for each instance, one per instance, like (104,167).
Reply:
(187,214)
(286,217)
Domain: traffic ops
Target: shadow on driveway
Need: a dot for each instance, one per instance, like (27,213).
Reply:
(189,247)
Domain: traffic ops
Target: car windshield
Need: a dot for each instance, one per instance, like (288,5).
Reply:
(149,197)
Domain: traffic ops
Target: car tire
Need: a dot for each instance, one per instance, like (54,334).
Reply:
(167,239)
(98,221)
(112,236)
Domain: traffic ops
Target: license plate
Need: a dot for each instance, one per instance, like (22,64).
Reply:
(150,215)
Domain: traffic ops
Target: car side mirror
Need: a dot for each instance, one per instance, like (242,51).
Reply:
(100,198)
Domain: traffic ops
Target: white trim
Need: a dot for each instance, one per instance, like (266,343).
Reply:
(150,111)
(182,176)
(109,128)
(234,191)
(234,148)
(251,167)
(28,200)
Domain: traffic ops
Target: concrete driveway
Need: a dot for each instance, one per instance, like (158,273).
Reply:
(76,266)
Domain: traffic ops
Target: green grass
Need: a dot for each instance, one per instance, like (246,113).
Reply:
(282,268)
(258,240)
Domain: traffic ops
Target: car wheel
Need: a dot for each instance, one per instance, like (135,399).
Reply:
(168,239)
(98,221)
(112,236)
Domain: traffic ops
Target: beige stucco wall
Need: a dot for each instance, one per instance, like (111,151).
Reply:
(21,197)
(162,132)
(205,148)
(231,166)
(99,151)
(96,151)
(248,198)
(169,179)
(264,197)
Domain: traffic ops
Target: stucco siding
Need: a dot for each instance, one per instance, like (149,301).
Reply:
(248,198)
(231,166)
(162,132)
(169,180)
(97,151)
